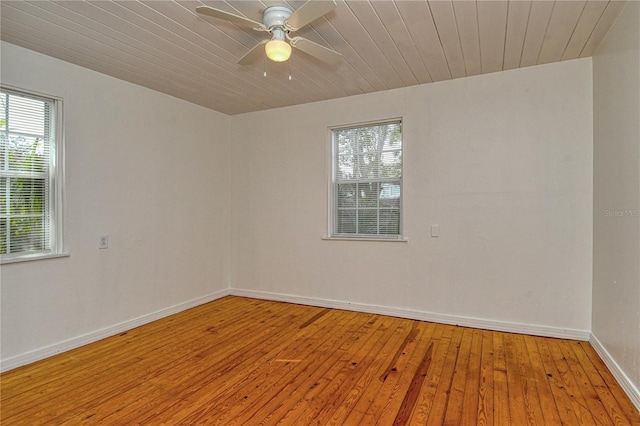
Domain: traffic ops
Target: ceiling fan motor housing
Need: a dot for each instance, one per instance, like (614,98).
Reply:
(275,17)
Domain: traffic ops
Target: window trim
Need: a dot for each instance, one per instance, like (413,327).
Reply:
(57,179)
(331,210)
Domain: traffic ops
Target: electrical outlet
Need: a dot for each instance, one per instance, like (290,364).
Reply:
(103,241)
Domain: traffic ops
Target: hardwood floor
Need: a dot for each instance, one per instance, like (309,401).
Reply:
(239,361)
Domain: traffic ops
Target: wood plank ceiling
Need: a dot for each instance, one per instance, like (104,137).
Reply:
(166,46)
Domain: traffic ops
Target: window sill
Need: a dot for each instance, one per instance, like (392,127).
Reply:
(30,257)
(387,240)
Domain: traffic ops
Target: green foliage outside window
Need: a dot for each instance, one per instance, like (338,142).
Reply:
(24,174)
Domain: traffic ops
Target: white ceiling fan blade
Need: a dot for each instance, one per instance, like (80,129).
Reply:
(252,55)
(316,50)
(308,12)
(236,19)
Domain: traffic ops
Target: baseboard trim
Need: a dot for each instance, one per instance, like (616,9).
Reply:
(510,327)
(75,342)
(625,383)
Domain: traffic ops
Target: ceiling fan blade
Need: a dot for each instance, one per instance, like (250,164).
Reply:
(316,50)
(308,12)
(236,19)
(252,55)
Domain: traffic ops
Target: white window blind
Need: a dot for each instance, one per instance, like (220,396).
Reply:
(367,181)
(28,169)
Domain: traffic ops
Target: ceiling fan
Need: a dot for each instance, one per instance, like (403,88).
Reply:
(280,21)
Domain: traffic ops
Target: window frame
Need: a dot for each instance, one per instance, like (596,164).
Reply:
(332,187)
(56,182)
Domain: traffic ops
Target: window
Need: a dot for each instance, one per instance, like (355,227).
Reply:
(366,184)
(30,176)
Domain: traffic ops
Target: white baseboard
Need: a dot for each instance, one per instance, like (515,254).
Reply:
(75,342)
(623,380)
(510,327)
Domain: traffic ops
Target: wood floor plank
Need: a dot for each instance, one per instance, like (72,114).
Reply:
(532,398)
(441,338)
(218,370)
(311,380)
(411,396)
(524,408)
(270,379)
(372,391)
(369,383)
(358,358)
(593,402)
(398,383)
(469,415)
(501,398)
(485,390)
(547,402)
(610,394)
(578,402)
(453,414)
(241,361)
(560,395)
(182,369)
(443,389)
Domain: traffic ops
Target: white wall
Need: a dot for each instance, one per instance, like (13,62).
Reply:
(502,162)
(616,242)
(148,169)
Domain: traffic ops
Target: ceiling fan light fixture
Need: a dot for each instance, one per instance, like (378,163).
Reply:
(277,50)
